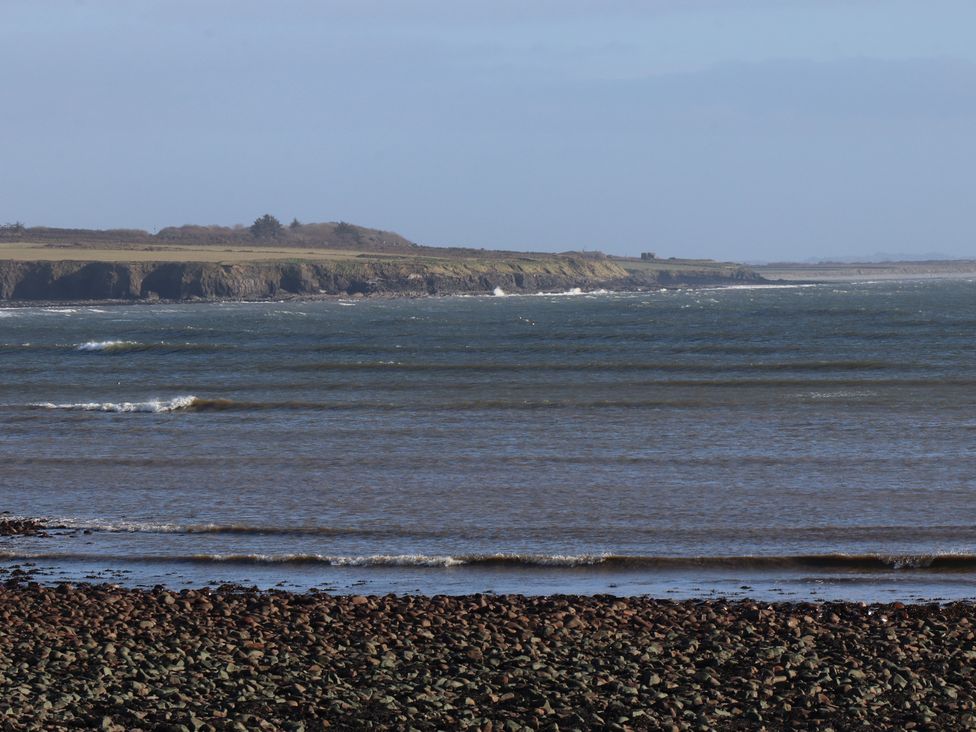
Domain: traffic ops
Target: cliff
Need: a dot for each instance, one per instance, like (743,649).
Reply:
(102,280)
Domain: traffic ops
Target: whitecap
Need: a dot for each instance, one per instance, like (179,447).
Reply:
(105,345)
(155,406)
(760,286)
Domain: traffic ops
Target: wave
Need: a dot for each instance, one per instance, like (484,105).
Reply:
(499,292)
(109,346)
(198,404)
(669,367)
(176,404)
(762,286)
(877,535)
(120,346)
(959,563)
(156,527)
(155,406)
(372,560)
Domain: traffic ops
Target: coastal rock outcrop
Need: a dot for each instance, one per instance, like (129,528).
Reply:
(80,280)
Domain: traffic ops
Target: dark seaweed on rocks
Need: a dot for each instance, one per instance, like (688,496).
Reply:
(21,527)
(110,658)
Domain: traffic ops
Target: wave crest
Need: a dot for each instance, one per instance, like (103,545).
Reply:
(163,347)
(107,346)
(155,406)
(965,563)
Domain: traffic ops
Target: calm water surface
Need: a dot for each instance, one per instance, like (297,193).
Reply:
(798,442)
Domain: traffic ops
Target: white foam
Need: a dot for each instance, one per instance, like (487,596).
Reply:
(498,292)
(155,406)
(841,394)
(909,561)
(763,287)
(426,560)
(412,560)
(395,560)
(574,292)
(121,526)
(105,345)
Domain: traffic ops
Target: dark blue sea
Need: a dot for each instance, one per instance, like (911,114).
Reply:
(792,442)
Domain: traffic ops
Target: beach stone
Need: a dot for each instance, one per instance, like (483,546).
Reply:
(271,660)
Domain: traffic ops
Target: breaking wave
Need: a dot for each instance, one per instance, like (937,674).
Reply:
(176,404)
(199,404)
(823,562)
(155,406)
(121,346)
(155,527)
(108,346)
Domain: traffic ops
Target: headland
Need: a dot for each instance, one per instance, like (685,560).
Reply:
(193,263)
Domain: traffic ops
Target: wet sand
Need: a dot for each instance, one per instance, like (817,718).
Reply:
(99,656)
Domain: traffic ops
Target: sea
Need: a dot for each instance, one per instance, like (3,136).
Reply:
(796,442)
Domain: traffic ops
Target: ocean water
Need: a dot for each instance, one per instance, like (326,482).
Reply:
(795,442)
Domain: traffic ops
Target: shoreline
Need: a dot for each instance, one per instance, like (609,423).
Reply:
(384,296)
(572,291)
(102,656)
(121,278)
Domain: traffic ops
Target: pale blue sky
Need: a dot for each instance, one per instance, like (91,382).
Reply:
(736,130)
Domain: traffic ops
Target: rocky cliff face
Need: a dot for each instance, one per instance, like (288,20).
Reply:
(65,280)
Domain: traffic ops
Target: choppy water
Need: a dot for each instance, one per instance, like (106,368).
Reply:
(795,442)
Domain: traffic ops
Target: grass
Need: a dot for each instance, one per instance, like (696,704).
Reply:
(230,254)
(21,251)
(672,265)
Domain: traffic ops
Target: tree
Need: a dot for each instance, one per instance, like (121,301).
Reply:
(266,227)
(295,224)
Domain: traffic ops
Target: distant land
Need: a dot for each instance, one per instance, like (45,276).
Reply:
(835,271)
(271,260)
(881,257)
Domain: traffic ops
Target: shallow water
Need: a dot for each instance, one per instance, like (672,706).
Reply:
(794,442)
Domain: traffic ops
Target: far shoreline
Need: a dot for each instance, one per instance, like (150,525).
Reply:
(387,296)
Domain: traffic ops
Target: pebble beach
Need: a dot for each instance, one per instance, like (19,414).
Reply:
(105,657)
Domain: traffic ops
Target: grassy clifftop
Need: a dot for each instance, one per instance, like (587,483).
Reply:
(225,263)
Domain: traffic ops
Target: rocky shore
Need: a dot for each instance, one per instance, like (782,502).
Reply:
(116,659)
(147,281)
(21,527)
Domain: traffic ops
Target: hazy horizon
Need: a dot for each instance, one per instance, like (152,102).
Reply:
(750,131)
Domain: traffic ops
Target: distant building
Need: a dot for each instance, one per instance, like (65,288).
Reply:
(648,255)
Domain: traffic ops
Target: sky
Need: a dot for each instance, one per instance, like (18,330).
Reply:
(749,131)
